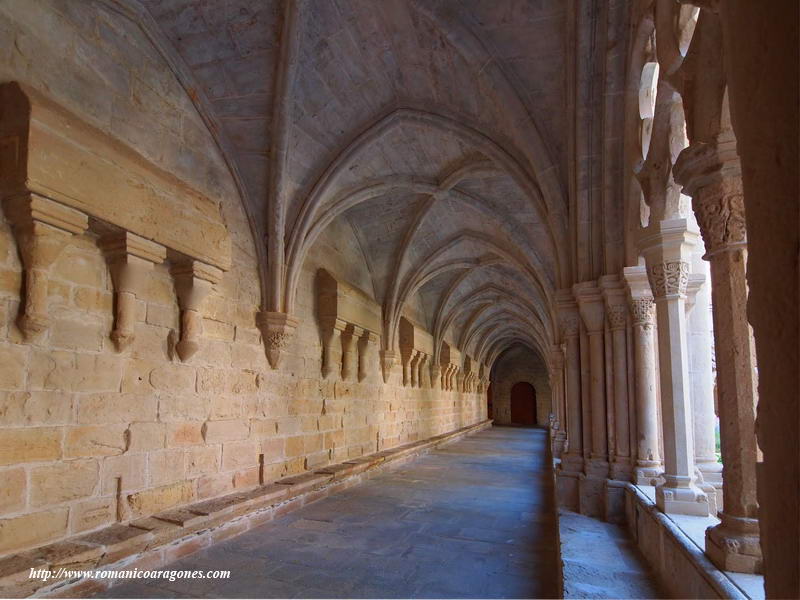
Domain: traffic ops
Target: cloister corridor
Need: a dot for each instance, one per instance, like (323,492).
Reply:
(399,298)
(473,519)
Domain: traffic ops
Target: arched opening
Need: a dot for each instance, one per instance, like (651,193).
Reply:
(489,406)
(523,404)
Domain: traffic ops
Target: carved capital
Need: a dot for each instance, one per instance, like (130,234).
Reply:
(130,260)
(719,208)
(42,229)
(277,329)
(642,311)
(617,316)
(669,278)
(590,306)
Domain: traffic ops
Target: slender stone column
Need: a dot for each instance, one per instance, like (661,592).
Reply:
(559,400)
(711,174)
(572,460)
(667,247)
(617,312)
(590,306)
(648,459)
(702,380)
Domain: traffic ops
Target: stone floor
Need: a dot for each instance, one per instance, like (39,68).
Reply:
(601,561)
(472,519)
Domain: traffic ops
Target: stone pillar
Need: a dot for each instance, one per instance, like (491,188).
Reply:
(711,174)
(592,485)
(667,248)
(572,460)
(590,306)
(332,329)
(617,313)
(648,458)
(702,381)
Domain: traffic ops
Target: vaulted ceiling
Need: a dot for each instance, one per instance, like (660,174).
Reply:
(465,141)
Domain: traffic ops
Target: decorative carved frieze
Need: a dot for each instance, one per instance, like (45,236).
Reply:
(130,259)
(669,278)
(42,229)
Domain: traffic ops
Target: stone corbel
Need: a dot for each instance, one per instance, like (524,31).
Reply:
(332,329)
(414,368)
(193,281)
(348,336)
(42,229)
(388,360)
(421,371)
(130,259)
(436,376)
(277,330)
(366,345)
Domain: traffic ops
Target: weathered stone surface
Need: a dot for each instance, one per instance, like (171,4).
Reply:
(306,481)
(32,444)
(95,440)
(63,482)
(13,490)
(91,514)
(153,500)
(117,541)
(116,408)
(126,472)
(225,431)
(32,529)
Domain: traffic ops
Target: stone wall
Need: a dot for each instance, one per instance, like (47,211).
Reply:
(90,435)
(515,365)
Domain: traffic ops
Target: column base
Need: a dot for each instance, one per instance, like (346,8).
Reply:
(591,488)
(734,545)
(621,470)
(567,488)
(648,473)
(712,476)
(679,496)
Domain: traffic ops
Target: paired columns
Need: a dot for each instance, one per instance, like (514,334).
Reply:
(667,248)
(711,174)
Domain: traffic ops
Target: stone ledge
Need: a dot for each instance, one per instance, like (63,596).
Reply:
(682,567)
(151,542)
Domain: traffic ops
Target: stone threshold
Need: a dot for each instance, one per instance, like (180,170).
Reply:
(153,542)
(678,557)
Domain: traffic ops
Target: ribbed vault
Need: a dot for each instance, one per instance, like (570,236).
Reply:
(440,131)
